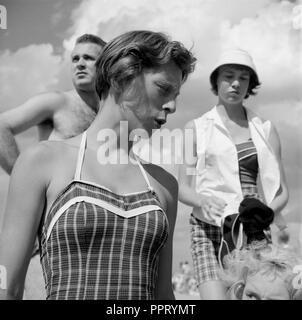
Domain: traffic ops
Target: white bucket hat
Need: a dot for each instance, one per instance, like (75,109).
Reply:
(235,56)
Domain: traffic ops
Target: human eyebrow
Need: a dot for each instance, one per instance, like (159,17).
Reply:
(245,74)
(89,56)
(86,56)
(168,86)
(227,71)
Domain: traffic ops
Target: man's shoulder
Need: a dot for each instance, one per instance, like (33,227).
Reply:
(49,102)
(54,97)
(71,97)
(68,101)
(60,100)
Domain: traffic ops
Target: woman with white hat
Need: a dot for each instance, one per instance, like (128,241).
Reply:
(235,152)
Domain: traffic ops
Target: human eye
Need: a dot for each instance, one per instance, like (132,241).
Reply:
(88,57)
(227,76)
(244,78)
(164,89)
(252,296)
(75,58)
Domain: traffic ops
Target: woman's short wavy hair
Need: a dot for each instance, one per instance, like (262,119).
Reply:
(127,55)
(271,259)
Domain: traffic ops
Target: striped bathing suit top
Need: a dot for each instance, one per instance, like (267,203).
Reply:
(248,168)
(96,244)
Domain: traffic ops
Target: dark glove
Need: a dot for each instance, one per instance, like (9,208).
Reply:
(255,217)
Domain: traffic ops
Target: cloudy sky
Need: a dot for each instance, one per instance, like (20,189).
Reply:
(35,48)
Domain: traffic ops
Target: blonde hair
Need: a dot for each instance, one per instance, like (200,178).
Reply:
(270,259)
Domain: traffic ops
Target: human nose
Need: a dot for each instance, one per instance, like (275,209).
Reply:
(236,83)
(81,63)
(170,106)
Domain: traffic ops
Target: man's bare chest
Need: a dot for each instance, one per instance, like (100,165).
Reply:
(67,124)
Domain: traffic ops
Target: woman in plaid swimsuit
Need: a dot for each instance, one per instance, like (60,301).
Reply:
(233,147)
(105,221)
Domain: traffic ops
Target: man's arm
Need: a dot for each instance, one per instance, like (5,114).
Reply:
(31,113)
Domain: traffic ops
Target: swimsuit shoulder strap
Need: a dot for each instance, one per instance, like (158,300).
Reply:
(80,158)
(144,173)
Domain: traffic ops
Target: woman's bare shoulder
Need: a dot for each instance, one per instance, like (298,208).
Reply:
(43,155)
(47,149)
(165,179)
(168,190)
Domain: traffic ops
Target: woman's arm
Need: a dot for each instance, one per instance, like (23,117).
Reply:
(187,169)
(25,203)
(281,197)
(164,290)
(210,206)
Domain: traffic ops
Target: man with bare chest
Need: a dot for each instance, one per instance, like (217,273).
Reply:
(58,116)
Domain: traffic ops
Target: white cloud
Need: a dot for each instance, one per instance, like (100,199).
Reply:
(274,44)
(263,27)
(178,17)
(26,72)
(207,24)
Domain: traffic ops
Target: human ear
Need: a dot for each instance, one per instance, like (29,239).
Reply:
(237,289)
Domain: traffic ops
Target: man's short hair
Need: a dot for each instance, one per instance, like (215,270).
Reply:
(90,38)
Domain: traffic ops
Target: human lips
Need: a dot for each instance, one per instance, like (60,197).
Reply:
(81,73)
(159,122)
(234,92)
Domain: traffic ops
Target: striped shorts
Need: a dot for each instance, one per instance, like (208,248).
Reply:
(205,242)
